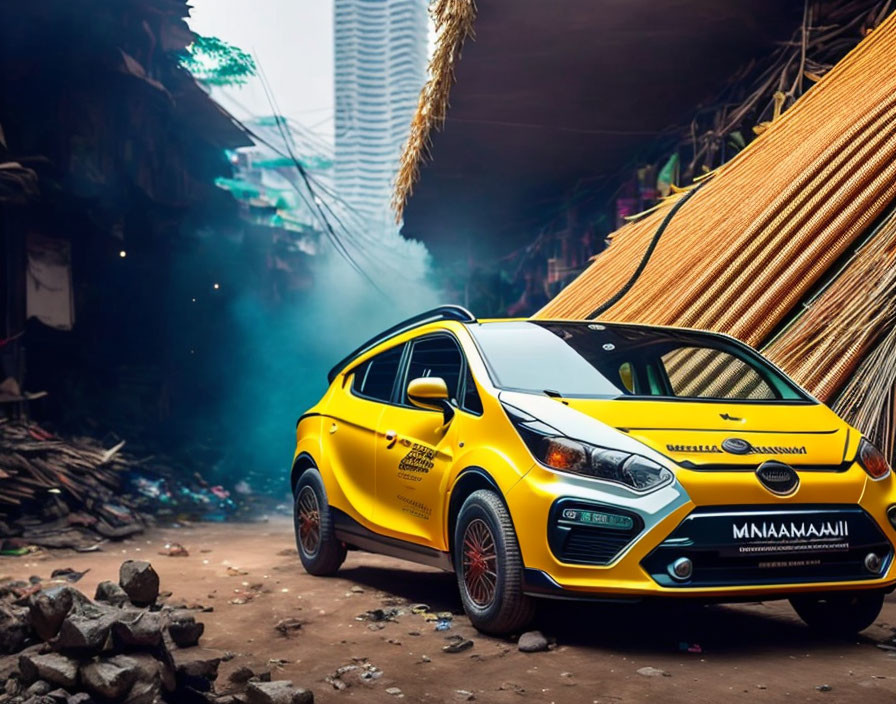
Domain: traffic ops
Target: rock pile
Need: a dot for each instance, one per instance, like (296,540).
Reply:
(60,647)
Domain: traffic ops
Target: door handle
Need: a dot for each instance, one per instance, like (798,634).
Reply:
(391,437)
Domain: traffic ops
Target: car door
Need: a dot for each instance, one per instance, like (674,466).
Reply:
(350,432)
(415,448)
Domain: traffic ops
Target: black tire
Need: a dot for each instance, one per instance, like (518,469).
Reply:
(841,614)
(320,551)
(506,610)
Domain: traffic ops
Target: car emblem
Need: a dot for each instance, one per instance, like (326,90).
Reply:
(737,446)
(778,477)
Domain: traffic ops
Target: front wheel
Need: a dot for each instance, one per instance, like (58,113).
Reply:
(839,613)
(489,566)
(319,549)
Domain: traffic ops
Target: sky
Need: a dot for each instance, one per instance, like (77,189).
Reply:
(292,42)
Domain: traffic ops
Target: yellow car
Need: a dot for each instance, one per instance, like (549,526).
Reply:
(581,459)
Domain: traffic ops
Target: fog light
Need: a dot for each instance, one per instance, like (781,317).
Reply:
(683,568)
(891,514)
(872,562)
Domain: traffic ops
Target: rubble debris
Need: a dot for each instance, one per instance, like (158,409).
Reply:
(174,550)
(14,628)
(288,626)
(53,668)
(139,581)
(457,645)
(532,642)
(196,668)
(377,615)
(167,494)
(109,679)
(61,492)
(394,691)
(686,647)
(183,628)
(652,672)
(68,574)
(241,675)
(85,628)
(110,593)
(49,607)
(92,651)
(279,692)
(138,629)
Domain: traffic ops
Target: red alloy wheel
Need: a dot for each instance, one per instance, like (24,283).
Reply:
(480,563)
(309,520)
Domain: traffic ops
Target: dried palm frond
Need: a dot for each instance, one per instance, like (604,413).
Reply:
(453,20)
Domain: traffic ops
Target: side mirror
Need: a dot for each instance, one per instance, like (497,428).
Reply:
(431,393)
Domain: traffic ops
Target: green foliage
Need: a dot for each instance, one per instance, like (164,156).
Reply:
(216,63)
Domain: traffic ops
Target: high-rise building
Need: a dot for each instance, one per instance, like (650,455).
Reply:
(380,65)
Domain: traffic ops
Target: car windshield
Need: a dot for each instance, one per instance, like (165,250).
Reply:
(598,360)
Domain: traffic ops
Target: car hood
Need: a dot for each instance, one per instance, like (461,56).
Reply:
(698,433)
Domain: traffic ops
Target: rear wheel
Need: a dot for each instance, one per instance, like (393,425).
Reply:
(839,613)
(320,551)
(489,566)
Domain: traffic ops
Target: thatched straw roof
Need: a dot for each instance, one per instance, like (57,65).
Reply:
(453,21)
(549,94)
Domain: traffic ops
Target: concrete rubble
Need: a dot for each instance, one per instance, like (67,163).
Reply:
(126,645)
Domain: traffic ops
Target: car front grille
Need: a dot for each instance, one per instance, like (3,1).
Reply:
(732,546)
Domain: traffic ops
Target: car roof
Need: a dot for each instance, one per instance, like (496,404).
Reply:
(462,315)
(450,312)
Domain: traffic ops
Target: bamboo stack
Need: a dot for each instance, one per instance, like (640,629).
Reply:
(869,399)
(845,321)
(749,246)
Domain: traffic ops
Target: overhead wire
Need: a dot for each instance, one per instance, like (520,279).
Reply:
(315,202)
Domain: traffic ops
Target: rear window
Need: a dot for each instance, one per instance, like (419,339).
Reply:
(375,378)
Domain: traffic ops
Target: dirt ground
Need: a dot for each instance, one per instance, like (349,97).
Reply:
(251,576)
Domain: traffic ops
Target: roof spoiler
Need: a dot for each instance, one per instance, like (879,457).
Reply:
(450,312)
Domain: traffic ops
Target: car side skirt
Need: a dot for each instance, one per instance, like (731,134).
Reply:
(349,531)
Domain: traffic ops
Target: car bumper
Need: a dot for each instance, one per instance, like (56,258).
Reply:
(626,547)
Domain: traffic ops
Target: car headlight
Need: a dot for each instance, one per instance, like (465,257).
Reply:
(872,460)
(556,451)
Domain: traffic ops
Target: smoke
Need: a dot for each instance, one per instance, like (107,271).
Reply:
(256,361)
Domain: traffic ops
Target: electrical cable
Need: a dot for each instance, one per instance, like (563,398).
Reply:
(647,253)
(334,238)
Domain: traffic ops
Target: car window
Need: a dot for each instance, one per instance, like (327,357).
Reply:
(596,360)
(437,357)
(698,372)
(472,402)
(375,378)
